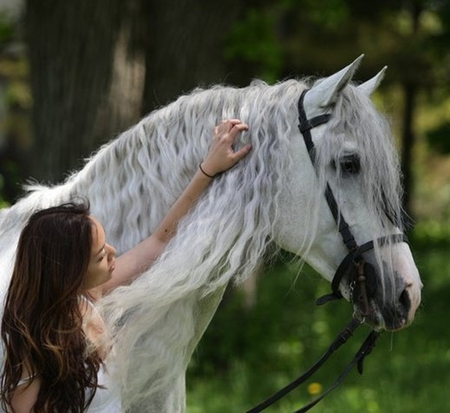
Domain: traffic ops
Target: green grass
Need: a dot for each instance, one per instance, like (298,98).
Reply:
(247,355)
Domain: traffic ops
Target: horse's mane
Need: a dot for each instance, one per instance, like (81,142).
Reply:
(223,238)
(133,180)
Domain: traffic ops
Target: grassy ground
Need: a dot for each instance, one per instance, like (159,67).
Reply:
(246,356)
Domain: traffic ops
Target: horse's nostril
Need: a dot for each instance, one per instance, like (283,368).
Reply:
(404,300)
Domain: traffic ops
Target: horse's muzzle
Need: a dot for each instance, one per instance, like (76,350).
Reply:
(383,305)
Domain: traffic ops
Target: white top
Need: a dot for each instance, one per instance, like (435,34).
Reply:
(106,400)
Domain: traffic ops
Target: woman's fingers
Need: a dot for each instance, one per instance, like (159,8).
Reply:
(230,127)
(241,153)
(236,130)
(222,155)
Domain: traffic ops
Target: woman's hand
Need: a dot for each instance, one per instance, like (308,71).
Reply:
(221,155)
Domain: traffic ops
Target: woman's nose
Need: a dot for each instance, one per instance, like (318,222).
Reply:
(111,251)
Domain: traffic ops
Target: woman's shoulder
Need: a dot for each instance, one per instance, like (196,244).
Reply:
(26,393)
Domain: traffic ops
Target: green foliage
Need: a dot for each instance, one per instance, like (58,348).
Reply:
(254,40)
(248,354)
(329,14)
(3,202)
(439,138)
(7,28)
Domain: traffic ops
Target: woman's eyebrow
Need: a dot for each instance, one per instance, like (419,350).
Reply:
(100,250)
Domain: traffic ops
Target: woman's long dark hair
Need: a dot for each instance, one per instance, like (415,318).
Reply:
(42,323)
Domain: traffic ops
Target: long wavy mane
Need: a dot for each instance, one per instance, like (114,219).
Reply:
(224,237)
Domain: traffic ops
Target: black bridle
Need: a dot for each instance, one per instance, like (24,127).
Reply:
(360,274)
(354,258)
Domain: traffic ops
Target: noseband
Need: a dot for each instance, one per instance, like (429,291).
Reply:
(361,278)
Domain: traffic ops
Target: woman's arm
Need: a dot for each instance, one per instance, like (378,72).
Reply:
(221,157)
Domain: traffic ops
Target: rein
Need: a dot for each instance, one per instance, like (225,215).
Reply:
(362,287)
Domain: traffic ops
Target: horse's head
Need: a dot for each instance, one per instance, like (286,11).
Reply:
(353,211)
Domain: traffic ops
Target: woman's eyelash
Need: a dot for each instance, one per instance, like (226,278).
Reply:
(102,256)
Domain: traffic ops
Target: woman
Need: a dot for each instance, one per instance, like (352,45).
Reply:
(52,334)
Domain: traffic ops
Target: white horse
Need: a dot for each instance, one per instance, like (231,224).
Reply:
(275,196)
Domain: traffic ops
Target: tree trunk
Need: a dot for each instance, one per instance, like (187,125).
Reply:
(87,77)
(185,47)
(410,88)
(408,140)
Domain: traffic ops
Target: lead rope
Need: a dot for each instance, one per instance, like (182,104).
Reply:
(365,350)
(342,338)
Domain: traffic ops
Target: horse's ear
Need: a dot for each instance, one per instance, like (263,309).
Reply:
(369,87)
(326,92)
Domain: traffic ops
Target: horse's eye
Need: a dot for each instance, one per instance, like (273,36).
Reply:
(348,165)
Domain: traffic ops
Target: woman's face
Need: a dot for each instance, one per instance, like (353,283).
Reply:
(102,261)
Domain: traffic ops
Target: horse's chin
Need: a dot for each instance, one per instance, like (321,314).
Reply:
(379,321)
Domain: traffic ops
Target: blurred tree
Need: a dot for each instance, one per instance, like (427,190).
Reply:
(87,77)
(15,142)
(439,138)
(14,104)
(96,66)
(185,44)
